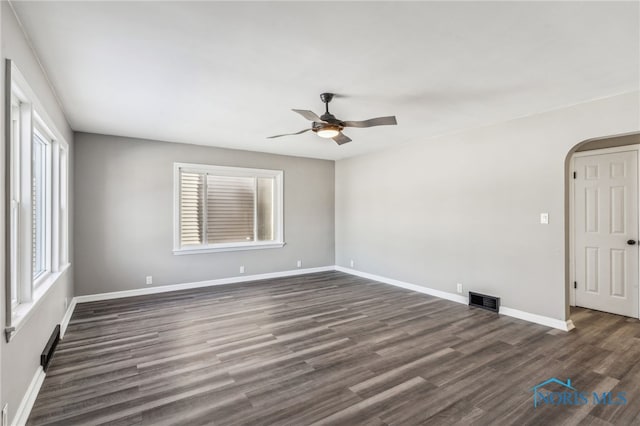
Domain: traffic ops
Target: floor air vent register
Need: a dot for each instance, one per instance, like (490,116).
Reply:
(490,303)
(49,349)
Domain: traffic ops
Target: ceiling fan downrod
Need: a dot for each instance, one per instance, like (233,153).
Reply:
(326,98)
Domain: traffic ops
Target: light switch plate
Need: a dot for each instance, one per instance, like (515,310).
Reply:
(544,218)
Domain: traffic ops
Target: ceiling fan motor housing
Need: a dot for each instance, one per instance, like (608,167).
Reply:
(336,124)
(330,118)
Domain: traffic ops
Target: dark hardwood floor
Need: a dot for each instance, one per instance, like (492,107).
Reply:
(329,348)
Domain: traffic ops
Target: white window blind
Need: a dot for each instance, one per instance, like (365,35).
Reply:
(230,209)
(191,208)
(222,207)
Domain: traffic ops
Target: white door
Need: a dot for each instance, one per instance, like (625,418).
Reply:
(606,232)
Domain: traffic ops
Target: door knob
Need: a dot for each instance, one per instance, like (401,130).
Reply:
(631,242)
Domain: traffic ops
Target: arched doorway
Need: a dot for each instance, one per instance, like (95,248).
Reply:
(603,259)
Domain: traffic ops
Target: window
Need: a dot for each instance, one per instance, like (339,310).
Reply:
(38,217)
(226,208)
(40,207)
(63,198)
(14,190)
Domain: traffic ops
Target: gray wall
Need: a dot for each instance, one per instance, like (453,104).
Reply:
(124,214)
(20,358)
(465,208)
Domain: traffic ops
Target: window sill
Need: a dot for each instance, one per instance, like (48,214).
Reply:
(22,312)
(227,247)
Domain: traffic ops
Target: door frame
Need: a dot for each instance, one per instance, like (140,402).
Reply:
(572,211)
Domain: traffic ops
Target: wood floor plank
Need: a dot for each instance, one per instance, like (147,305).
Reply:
(328,348)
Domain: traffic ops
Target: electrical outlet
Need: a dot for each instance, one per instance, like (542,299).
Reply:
(5,415)
(149,279)
(242,269)
(352,263)
(460,288)
(299,263)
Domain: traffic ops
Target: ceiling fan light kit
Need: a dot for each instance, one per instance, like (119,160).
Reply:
(328,126)
(328,131)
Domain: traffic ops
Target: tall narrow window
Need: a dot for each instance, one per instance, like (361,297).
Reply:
(64,209)
(191,209)
(227,208)
(14,189)
(264,208)
(39,189)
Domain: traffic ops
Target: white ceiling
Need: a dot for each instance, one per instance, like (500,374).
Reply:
(227,74)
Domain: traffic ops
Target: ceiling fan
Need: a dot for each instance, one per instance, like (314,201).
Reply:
(328,126)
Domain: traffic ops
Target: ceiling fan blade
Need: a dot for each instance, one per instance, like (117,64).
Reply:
(380,121)
(341,138)
(288,134)
(309,115)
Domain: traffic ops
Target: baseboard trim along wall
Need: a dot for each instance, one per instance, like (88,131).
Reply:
(29,398)
(420,289)
(67,317)
(515,313)
(209,283)
(538,319)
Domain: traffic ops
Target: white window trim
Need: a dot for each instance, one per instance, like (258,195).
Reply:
(278,213)
(23,310)
(33,117)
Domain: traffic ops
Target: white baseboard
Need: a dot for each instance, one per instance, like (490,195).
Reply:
(420,289)
(515,313)
(67,317)
(538,319)
(199,284)
(29,398)
(535,318)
